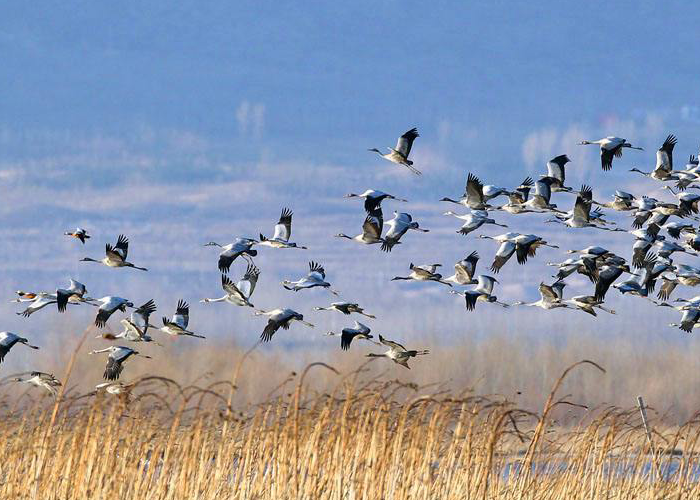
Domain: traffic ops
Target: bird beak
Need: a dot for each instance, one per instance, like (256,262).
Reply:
(307,324)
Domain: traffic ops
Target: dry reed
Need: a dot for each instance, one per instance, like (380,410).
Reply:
(365,438)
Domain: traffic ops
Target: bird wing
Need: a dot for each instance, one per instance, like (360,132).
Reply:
(122,246)
(666,288)
(547,293)
(391,343)
(555,170)
(270,329)
(131,327)
(664,156)
(582,207)
(182,314)
(543,189)
(606,157)
(231,288)
(144,311)
(503,254)
(405,142)
(474,189)
(250,279)
(485,284)
(605,278)
(372,227)
(283,229)
(113,369)
(316,270)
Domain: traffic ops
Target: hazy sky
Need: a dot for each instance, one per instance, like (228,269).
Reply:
(181,124)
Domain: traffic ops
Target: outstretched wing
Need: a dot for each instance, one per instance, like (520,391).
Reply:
(391,343)
(250,279)
(474,188)
(405,142)
(283,229)
(582,207)
(371,227)
(270,329)
(182,314)
(316,268)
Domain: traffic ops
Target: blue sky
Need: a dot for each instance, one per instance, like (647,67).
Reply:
(181,124)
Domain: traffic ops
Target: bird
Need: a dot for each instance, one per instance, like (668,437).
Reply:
(371,231)
(283,231)
(115,388)
(482,292)
(178,324)
(622,201)
(75,292)
(25,296)
(347,335)
(116,358)
(473,221)
(423,273)
(540,201)
(45,381)
(239,293)
(279,318)
(79,233)
(580,216)
(8,340)
(109,305)
(373,199)
(549,298)
(399,155)
(346,308)
(397,353)
(663,170)
(610,147)
(473,196)
(141,316)
(556,170)
(130,332)
(518,198)
(229,253)
(115,256)
(465,270)
(315,278)
(40,301)
(398,226)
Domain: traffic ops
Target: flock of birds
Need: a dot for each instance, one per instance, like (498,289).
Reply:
(650,262)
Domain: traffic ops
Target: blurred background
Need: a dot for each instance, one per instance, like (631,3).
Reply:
(181,124)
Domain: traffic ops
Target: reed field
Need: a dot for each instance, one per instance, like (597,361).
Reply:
(361,437)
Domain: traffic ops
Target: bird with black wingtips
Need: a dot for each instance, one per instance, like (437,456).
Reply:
(75,293)
(473,221)
(116,358)
(108,306)
(242,247)
(399,155)
(483,292)
(346,308)
(398,226)
(279,318)
(610,147)
(371,230)
(473,196)
(316,277)
(41,300)
(373,199)
(397,353)
(42,380)
(423,273)
(177,325)
(8,340)
(115,256)
(465,270)
(347,335)
(239,293)
(556,169)
(79,234)
(663,171)
(283,231)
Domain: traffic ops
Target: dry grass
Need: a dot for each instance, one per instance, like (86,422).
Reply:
(364,438)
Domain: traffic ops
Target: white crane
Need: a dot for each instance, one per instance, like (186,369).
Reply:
(423,273)
(373,199)
(279,318)
(473,221)
(347,335)
(239,293)
(79,234)
(130,332)
(115,256)
(483,292)
(116,358)
(177,325)
(371,230)
(473,196)
(229,253)
(41,300)
(315,278)
(465,270)
(610,147)
(580,216)
(345,308)
(399,155)
(75,293)
(550,297)
(663,171)
(397,353)
(283,231)
(8,340)
(398,226)
(42,380)
(109,305)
